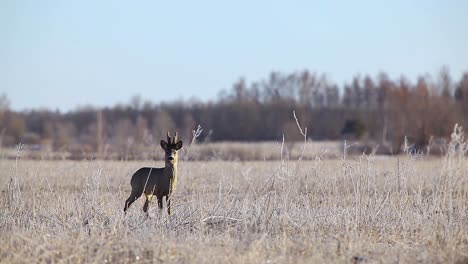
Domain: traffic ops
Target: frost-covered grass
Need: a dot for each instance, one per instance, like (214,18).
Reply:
(359,209)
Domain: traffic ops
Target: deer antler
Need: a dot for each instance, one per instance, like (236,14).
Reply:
(175,138)
(168,138)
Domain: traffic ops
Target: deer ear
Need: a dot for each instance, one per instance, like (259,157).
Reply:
(164,144)
(178,145)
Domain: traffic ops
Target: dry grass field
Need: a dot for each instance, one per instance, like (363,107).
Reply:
(360,209)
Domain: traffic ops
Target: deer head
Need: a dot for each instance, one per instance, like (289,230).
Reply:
(171,147)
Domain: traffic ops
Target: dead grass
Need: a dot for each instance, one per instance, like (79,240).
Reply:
(361,210)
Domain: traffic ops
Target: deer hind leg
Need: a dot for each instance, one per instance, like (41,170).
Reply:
(149,197)
(133,197)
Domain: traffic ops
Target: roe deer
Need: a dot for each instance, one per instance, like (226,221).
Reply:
(157,181)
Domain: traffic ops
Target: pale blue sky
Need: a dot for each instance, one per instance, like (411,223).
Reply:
(61,54)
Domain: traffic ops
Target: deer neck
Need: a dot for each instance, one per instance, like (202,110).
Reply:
(171,171)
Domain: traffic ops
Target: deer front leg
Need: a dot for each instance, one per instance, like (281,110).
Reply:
(168,201)
(169,196)
(160,203)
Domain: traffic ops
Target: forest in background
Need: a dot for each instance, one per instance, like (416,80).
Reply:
(368,109)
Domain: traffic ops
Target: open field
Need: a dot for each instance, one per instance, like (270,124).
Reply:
(359,210)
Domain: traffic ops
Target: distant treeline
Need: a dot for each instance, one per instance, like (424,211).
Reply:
(377,109)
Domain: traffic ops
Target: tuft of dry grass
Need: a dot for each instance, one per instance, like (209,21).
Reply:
(364,209)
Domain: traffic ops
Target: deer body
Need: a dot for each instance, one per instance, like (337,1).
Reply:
(159,182)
